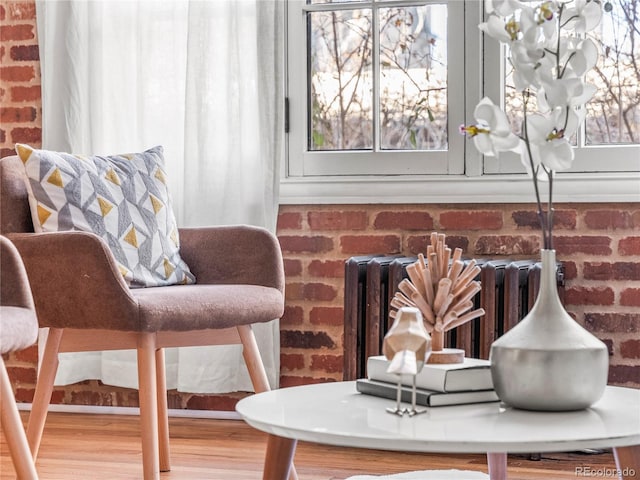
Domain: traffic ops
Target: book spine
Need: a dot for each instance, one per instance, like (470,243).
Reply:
(390,392)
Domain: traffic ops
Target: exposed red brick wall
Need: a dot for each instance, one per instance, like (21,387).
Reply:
(599,243)
(20,111)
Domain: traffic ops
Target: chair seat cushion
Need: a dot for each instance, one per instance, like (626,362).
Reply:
(194,307)
(18,328)
(124,199)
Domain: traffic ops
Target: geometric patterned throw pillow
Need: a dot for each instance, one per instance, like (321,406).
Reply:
(122,198)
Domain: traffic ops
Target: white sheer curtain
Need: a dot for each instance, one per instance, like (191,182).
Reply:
(202,78)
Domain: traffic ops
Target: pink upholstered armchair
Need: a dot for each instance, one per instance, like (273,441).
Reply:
(82,297)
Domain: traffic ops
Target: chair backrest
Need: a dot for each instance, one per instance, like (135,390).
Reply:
(15,216)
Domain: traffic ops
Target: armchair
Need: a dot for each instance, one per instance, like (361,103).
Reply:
(81,296)
(18,330)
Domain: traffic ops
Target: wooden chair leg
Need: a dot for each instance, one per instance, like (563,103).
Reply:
(44,388)
(259,378)
(163,416)
(148,406)
(252,358)
(14,431)
(627,461)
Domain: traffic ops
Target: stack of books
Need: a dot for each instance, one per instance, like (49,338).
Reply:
(436,384)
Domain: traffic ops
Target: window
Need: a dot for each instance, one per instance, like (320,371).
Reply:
(378,88)
(609,140)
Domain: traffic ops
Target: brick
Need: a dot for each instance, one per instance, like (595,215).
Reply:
(621,374)
(338,220)
(291,361)
(333,316)
(305,244)
(612,322)
(562,219)
(3,12)
(31,135)
(26,94)
(612,271)
(629,246)
(6,152)
(471,220)
(598,271)
(17,114)
(609,343)
(22,375)
(22,10)
(607,219)
(292,268)
(310,291)
(16,32)
(327,363)
(635,219)
(22,53)
(418,243)
(29,355)
(401,220)
(25,395)
(2,52)
(307,340)
(507,245)
(626,271)
(570,270)
(289,221)
(589,296)
(630,348)
(17,73)
(365,244)
(293,315)
(593,245)
(3,136)
(289,381)
(630,297)
(326,268)
(224,403)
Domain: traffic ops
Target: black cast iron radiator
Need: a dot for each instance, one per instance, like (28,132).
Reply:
(508,291)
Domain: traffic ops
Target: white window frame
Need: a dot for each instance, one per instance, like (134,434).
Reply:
(467,178)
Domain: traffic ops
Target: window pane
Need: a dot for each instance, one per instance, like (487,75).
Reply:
(413,77)
(315,2)
(340,80)
(613,115)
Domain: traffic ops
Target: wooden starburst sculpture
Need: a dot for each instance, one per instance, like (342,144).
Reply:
(442,288)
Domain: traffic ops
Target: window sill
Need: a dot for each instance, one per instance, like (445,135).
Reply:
(568,187)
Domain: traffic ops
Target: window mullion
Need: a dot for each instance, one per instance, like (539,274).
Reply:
(375,100)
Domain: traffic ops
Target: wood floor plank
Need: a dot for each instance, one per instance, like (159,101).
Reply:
(107,447)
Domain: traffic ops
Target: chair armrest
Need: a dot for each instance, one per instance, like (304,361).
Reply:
(14,284)
(75,281)
(239,254)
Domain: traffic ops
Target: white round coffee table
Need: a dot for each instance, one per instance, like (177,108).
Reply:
(336,414)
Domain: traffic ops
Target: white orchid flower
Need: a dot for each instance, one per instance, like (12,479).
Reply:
(492,134)
(582,16)
(503,8)
(556,92)
(582,58)
(548,140)
(502,29)
(525,63)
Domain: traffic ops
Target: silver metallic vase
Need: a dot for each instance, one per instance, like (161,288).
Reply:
(548,361)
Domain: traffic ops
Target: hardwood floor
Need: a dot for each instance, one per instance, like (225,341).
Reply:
(100,447)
